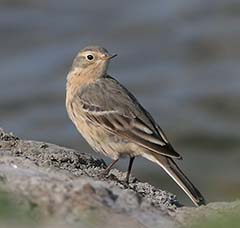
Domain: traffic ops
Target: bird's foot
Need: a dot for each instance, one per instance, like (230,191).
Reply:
(126,180)
(103,174)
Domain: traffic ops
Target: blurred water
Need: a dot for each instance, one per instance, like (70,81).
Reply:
(180,58)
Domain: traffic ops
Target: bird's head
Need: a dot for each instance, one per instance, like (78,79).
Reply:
(93,61)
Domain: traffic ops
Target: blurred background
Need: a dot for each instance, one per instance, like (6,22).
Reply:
(180,58)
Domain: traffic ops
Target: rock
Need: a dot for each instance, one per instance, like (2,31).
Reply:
(64,183)
(63,186)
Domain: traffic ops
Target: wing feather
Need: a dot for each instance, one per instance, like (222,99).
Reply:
(109,104)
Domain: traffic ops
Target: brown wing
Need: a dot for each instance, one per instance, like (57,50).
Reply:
(109,104)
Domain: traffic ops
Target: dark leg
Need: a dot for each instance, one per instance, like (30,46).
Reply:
(107,170)
(129,169)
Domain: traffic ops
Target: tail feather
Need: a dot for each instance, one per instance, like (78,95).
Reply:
(179,177)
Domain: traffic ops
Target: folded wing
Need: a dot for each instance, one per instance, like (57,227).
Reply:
(110,105)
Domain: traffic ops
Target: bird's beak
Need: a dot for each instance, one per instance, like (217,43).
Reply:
(109,57)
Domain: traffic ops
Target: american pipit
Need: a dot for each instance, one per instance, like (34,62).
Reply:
(113,122)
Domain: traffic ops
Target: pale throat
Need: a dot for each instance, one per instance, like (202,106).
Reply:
(79,77)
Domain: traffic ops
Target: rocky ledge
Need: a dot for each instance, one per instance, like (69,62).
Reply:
(61,187)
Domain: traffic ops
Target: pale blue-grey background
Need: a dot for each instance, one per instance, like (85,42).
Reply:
(181,59)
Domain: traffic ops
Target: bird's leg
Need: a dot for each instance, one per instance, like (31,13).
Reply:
(107,170)
(129,169)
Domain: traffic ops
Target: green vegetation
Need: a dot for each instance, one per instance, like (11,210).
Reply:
(14,211)
(227,219)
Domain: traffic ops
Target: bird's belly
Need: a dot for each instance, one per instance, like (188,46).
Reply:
(109,144)
(99,139)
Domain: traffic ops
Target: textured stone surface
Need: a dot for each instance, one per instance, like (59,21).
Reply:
(64,184)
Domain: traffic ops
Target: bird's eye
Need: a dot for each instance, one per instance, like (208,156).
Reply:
(90,57)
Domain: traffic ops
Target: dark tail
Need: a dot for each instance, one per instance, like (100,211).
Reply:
(179,177)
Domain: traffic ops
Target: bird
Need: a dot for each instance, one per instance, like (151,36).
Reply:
(114,123)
